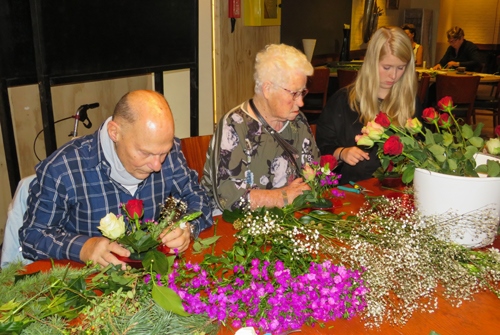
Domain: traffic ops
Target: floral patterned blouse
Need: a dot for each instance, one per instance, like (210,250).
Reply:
(250,158)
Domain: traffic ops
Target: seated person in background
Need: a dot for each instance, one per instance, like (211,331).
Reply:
(386,82)
(418,50)
(460,53)
(133,155)
(247,163)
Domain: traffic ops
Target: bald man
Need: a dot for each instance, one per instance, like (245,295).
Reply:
(133,155)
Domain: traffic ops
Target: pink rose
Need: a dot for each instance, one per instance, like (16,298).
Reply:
(393,146)
(383,120)
(413,125)
(430,115)
(308,173)
(373,130)
(446,104)
(497,130)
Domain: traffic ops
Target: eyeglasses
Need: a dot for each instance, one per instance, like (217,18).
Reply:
(296,94)
(452,40)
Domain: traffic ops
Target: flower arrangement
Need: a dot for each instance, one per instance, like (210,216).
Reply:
(268,297)
(449,150)
(142,239)
(284,270)
(493,144)
(322,181)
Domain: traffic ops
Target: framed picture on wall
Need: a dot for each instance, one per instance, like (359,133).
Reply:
(392,4)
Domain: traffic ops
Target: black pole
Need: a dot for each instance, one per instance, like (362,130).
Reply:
(9,140)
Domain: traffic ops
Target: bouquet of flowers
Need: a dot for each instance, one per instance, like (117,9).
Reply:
(450,150)
(322,180)
(142,238)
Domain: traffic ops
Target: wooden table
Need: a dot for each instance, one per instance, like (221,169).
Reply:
(481,316)
(485,77)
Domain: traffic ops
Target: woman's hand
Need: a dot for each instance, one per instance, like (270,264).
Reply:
(295,189)
(353,155)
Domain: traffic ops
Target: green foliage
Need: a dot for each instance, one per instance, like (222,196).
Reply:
(44,303)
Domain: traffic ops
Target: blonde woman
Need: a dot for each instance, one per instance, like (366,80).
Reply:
(386,82)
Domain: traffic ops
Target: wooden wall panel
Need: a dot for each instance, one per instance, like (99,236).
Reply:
(234,58)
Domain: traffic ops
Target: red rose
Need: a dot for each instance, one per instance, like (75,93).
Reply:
(497,130)
(328,159)
(393,146)
(444,120)
(445,104)
(390,167)
(430,115)
(135,208)
(383,120)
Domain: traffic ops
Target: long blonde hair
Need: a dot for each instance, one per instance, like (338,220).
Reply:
(399,103)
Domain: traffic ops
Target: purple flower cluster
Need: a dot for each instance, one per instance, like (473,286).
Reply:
(268,297)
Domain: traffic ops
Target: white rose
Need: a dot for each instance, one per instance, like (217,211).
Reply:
(111,226)
(246,331)
(493,146)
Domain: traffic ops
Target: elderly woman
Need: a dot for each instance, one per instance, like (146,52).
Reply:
(386,82)
(258,149)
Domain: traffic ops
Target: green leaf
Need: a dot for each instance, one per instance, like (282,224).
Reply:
(452,164)
(139,240)
(209,240)
(478,129)
(231,216)
(197,247)
(158,261)
(467,131)
(493,168)
(447,139)
(478,142)
(9,305)
(470,151)
(408,174)
(429,137)
(168,300)
(438,152)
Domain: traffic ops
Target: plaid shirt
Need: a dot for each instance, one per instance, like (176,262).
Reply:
(73,191)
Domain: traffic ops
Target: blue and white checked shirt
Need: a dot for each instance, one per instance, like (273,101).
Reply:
(73,191)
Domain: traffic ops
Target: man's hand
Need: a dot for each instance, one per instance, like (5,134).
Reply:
(99,250)
(176,239)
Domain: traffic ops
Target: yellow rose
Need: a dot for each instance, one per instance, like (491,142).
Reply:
(112,227)
(413,125)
